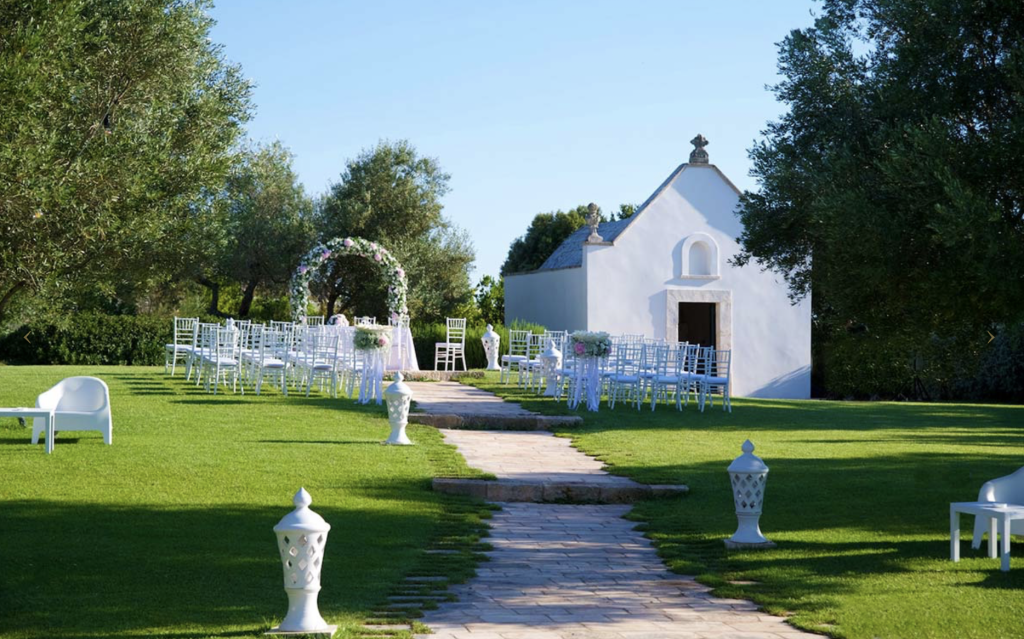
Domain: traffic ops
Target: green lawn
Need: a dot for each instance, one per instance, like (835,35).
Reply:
(168,531)
(857,500)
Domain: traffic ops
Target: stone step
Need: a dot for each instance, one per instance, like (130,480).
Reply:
(504,490)
(438,376)
(407,604)
(386,627)
(494,421)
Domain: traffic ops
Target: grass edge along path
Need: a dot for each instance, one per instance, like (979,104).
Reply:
(857,501)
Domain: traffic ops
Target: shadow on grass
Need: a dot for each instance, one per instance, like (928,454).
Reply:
(329,443)
(843,527)
(789,414)
(90,571)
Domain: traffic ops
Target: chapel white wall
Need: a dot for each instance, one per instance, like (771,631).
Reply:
(627,284)
(556,299)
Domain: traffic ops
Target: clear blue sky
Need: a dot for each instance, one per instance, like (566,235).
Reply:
(530,106)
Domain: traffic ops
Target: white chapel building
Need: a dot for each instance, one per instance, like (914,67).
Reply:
(664,272)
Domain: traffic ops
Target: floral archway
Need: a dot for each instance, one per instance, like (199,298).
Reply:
(388,266)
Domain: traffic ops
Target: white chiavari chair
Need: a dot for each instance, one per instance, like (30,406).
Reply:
(694,369)
(625,379)
(181,343)
(222,359)
(453,348)
(667,380)
(716,377)
(518,347)
(265,363)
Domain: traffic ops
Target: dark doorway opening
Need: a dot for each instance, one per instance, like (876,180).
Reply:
(697,323)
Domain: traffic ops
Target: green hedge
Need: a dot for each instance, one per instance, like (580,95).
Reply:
(90,339)
(139,340)
(424,336)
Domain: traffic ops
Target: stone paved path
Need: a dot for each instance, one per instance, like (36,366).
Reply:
(442,398)
(533,456)
(561,571)
(582,572)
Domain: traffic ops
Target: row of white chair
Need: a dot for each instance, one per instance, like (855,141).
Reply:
(636,368)
(283,354)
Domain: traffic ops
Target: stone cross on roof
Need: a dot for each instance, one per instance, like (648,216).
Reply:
(699,155)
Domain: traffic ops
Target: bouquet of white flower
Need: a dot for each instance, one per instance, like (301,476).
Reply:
(591,344)
(372,338)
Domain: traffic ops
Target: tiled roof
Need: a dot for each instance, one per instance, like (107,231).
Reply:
(570,253)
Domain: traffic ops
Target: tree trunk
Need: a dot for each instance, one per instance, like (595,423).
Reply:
(247,295)
(214,295)
(332,299)
(8,296)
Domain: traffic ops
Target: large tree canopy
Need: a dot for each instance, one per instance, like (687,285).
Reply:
(392,195)
(260,229)
(899,168)
(546,233)
(117,120)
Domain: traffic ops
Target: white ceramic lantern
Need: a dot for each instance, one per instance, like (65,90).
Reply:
(748,474)
(550,360)
(398,396)
(491,342)
(301,537)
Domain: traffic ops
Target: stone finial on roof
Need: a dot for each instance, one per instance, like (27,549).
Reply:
(698,155)
(593,219)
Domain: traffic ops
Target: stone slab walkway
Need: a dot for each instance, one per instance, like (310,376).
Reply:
(565,571)
(536,466)
(534,456)
(452,397)
(455,405)
(582,572)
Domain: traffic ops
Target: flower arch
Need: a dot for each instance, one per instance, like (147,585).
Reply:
(389,267)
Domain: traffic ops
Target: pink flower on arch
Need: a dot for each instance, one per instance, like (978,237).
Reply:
(400,273)
(303,269)
(326,254)
(347,242)
(382,342)
(377,256)
(580,348)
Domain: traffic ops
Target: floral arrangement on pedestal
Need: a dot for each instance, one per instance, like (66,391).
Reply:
(591,344)
(372,338)
(389,267)
(338,320)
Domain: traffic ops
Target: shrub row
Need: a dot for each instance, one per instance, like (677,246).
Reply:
(138,340)
(132,340)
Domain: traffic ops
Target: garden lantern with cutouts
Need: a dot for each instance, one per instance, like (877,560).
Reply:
(491,342)
(398,396)
(301,537)
(748,474)
(550,360)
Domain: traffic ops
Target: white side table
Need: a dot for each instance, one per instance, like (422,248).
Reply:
(45,414)
(999,516)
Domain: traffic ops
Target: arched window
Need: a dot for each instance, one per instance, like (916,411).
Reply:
(699,257)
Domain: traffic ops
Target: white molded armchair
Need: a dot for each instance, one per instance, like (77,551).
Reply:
(1006,490)
(79,403)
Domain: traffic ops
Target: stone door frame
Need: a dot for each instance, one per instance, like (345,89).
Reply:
(723,312)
